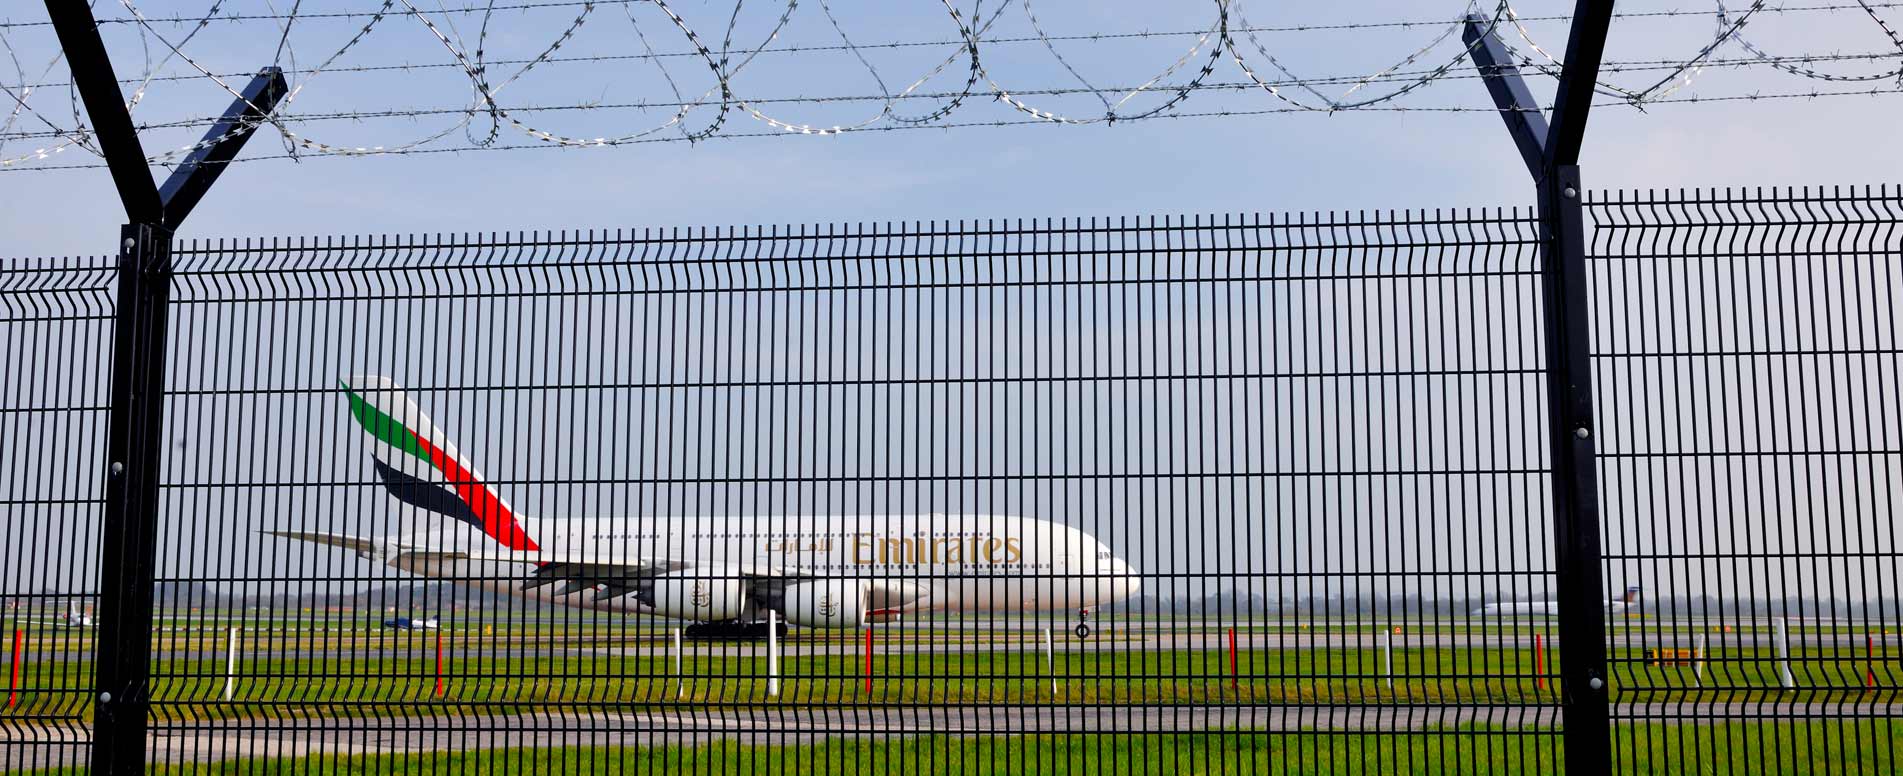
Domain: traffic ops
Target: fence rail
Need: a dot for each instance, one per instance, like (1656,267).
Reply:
(417,494)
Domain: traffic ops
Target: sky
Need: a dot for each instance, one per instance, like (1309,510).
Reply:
(1308,161)
(1280,162)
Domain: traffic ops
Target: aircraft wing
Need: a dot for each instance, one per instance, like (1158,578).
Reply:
(612,575)
(561,564)
(359,544)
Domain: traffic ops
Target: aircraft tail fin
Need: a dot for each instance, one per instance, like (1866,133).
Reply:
(419,466)
(1631,594)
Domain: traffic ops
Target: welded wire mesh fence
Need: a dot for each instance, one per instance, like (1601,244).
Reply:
(1137,495)
(1745,354)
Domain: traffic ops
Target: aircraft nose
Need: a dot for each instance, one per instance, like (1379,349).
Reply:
(1126,582)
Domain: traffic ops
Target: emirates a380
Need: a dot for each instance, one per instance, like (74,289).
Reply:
(723,573)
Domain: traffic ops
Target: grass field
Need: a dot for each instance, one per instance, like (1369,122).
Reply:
(406,677)
(1767,748)
(545,668)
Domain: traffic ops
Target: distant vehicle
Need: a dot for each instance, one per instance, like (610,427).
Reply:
(723,573)
(1628,602)
(412,623)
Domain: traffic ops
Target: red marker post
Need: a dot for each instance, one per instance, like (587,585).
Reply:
(439,664)
(13,686)
(1869,670)
(1235,678)
(868,661)
(1539,660)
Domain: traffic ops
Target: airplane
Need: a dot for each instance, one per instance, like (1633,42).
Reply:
(1625,603)
(73,617)
(412,623)
(722,573)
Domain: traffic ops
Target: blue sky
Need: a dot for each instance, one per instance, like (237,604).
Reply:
(1302,161)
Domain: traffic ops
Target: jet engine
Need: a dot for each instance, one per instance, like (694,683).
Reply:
(692,597)
(826,603)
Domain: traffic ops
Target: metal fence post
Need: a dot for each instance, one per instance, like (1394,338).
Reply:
(1551,152)
(128,534)
(130,528)
(1575,481)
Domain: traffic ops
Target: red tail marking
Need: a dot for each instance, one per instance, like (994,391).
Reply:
(497,521)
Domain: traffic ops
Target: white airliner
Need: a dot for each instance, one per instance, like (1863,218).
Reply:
(723,572)
(1628,602)
(74,617)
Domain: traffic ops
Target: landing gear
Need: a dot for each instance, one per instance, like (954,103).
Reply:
(731,630)
(1083,624)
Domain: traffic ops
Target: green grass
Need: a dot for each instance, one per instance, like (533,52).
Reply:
(375,685)
(354,684)
(1767,748)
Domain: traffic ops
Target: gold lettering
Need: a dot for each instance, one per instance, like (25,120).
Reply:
(992,546)
(955,551)
(1013,550)
(894,550)
(861,550)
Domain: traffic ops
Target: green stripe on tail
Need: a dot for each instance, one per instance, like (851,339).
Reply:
(384,427)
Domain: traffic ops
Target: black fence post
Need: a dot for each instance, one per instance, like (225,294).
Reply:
(1577,559)
(123,650)
(1551,153)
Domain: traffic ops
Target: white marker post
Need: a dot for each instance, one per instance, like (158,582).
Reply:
(680,679)
(231,661)
(772,654)
(1698,662)
(1387,656)
(1784,679)
(1050,659)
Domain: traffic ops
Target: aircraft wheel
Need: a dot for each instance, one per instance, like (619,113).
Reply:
(1082,631)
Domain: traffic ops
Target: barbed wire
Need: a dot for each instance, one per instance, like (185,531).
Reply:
(1002,123)
(474,9)
(1439,58)
(1612,66)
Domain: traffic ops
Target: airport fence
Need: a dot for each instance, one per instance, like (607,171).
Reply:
(1244,494)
